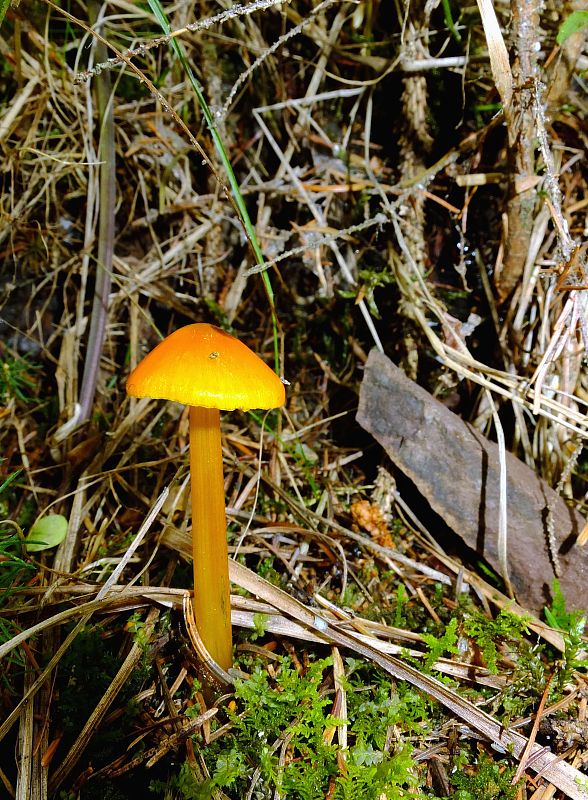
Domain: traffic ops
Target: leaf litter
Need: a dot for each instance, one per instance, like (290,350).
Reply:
(385,663)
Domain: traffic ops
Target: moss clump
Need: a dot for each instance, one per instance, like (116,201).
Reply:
(279,736)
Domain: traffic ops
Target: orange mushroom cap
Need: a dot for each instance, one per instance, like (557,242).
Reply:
(201,365)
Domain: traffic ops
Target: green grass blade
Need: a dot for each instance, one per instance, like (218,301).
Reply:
(9,480)
(159,13)
(3,9)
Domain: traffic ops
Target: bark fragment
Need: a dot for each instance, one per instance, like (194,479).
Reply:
(457,470)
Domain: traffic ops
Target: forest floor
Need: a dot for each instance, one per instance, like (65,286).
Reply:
(347,187)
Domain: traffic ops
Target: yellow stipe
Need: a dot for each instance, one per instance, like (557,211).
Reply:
(212,602)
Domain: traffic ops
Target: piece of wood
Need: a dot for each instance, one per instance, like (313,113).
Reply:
(457,471)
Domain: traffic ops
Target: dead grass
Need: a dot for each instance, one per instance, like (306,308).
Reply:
(362,251)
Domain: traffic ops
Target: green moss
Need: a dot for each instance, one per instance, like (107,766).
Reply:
(441,645)
(488,633)
(278,738)
(488,781)
(572,625)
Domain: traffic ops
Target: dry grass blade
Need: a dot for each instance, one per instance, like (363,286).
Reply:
(106,231)
(512,387)
(503,511)
(367,144)
(499,61)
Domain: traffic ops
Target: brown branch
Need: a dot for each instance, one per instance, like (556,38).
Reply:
(520,125)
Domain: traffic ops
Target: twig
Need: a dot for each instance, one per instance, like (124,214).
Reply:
(220,114)
(566,242)
(529,746)
(237,10)
(521,129)
(314,240)
(319,217)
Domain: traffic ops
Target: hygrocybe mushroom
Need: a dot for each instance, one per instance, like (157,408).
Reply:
(208,370)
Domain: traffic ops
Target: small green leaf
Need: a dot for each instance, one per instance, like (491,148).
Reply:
(572,24)
(47,532)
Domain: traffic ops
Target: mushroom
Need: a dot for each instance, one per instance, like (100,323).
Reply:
(209,370)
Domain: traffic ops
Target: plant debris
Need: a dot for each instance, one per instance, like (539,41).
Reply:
(318,180)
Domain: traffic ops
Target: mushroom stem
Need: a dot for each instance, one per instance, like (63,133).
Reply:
(212,600)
